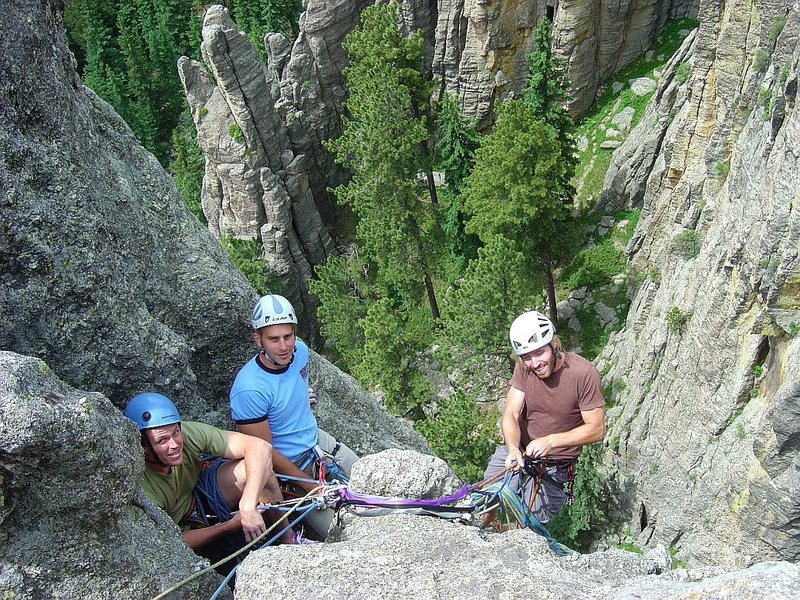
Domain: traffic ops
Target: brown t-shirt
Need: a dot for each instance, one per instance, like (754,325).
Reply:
(554,404)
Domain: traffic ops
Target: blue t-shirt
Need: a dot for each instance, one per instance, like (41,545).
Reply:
(279,397)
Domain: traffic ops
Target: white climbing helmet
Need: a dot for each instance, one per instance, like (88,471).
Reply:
(530,331)
(272,309)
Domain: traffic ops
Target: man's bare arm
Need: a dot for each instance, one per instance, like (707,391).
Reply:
(515,401)
(592,430)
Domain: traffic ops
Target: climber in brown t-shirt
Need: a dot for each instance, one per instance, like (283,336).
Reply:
(554,407)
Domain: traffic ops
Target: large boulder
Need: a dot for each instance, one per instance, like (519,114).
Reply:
(74,523)
(106,275)
(399,555)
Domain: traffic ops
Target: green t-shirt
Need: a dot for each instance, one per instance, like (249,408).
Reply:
(173,492)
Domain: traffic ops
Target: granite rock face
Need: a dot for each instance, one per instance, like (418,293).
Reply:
(106,276)
(480,46)
(73,521)
(396,555)
(704,437)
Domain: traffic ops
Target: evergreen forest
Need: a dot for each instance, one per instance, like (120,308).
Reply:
(434,274)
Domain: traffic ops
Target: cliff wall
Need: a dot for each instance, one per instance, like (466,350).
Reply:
(706,432)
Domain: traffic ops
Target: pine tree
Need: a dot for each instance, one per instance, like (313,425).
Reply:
(259,17)
(380,143)
(497,286)
(546,95)
(456,145)
(396,224)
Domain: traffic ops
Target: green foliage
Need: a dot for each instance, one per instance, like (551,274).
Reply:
(259,17)
(342,290)
(758,371)
(629,547)
(381,143)
(496,287)
(687,244)
(682,72)
(761,60)
(520,187)
(456,145)
(188,165)
(546,92)
(461,434)
(767,102)
(457,141)
(594,266)
(676,562)
(235,131)
(783,75)
(793,329)
(389,352)
(593,337)
(514,190)
(677,319)
(246,255)
(721,168)
(572,525)
(777,27)
(128,51)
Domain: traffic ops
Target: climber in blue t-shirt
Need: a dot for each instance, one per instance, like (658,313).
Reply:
(270,399)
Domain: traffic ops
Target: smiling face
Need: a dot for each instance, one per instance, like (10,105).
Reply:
(541,361)
(277,343)
(166,445)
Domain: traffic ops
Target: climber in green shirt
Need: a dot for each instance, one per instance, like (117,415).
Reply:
(201,475)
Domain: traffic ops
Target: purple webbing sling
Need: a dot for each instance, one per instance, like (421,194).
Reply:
(348,497)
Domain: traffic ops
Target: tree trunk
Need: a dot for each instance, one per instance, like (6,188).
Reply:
(551,287)
(432,298)
(431,186)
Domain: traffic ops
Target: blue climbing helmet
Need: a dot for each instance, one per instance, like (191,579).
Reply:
(272,309)
(151,409)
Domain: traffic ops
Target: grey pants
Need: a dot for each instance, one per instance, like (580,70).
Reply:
(550,497)
(319,521)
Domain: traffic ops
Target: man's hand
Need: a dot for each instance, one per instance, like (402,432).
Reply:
(252,523)
(515,459)
(540,447)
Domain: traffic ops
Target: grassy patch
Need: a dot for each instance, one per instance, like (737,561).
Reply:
(676,562)
(235,132)
(777,27)
(593,337)
(682,73)
(593,162)
(761,60)
(628,547)
(686,244)
(677,319)
(598,264)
